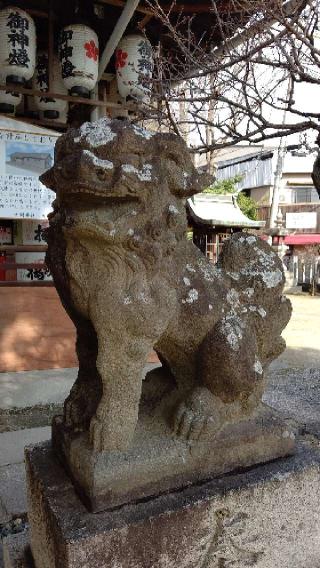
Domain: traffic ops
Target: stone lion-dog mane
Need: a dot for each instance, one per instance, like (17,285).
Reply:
(131,282)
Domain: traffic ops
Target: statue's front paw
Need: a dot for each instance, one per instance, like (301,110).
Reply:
(201,415)
(108,436)
(187,424)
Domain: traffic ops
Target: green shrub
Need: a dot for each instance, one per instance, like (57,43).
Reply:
(246,203)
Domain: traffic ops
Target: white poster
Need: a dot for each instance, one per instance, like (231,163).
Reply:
(301,220)
(23,158)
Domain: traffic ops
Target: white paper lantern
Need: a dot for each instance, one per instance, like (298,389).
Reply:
(8,101)
(79,59)
(52,108)
(134,65)
(17,45)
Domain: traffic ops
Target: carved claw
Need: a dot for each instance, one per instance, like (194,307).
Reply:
(187,424)
(200,415)
(105,438)
(79,408)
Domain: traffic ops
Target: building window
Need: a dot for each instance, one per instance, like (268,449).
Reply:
(304,194)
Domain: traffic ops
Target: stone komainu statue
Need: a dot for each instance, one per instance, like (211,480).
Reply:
(131,282)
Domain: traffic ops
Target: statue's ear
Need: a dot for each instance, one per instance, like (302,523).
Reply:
(182,177)
(195,182)
(47,178)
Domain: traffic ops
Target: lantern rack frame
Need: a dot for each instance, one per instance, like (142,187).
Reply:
(103,99)
(94,103)
(76,100)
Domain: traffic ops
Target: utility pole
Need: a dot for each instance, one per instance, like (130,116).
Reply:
(277,182)
(282,148)
(209,130)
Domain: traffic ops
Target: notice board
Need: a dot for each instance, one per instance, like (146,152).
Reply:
(23,158)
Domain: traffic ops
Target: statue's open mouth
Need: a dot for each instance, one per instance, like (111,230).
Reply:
(84,188)
(122,190)
(89,230)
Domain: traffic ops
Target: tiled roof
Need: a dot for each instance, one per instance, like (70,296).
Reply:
(223,210)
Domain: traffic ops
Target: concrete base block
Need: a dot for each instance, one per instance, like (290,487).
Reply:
(266,517)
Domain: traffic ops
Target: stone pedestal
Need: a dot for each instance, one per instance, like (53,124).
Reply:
(158,461)
(266,517)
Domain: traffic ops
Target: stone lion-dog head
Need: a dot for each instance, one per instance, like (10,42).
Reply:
(132,172)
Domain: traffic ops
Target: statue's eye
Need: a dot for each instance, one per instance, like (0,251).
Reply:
(174,158)
(101,174)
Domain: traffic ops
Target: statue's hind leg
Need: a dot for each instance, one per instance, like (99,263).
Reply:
(85,394)
(229,381)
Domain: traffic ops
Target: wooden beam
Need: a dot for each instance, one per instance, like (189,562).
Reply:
(23,248)
(197,8)
(51,95)
(36,13)
(121,4)
(117,33)
(22,265)
(108,77)
(202,8)
(145,21)
(53,124)
(24,284)
(186,8)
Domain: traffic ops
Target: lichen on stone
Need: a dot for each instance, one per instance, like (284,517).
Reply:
(193,296)
(258,367)
(145,174)
(173,209)
(96,133)
(139,131)
(105,164)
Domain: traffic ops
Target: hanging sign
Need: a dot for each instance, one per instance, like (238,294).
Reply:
(304,220)
(33,232)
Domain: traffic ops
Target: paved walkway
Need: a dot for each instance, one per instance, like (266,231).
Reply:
(302,334)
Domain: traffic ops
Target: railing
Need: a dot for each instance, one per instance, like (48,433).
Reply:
(8,267)
(304,271)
